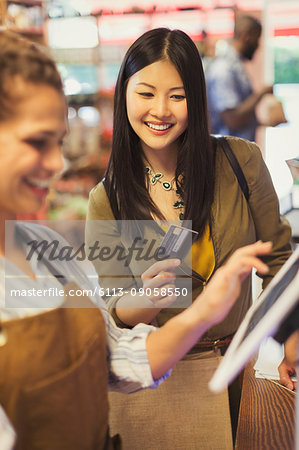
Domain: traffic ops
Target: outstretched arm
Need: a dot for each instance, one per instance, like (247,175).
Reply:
(237,117)
(167,345)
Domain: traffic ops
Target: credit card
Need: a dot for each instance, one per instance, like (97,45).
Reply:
(177,242)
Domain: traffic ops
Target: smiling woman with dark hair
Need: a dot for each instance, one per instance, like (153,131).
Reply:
(172,48)
(59,353)
(165,165)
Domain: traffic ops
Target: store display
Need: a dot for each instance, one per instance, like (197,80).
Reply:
(88,43)
(25,17)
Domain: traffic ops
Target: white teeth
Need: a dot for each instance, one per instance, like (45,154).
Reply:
(42,184)
(158,127)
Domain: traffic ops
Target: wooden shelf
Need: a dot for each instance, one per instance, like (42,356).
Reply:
(28,31)
(26,2)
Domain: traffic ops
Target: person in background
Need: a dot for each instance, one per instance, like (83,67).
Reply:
(164,165)
(289,334)
(231,99)
(291,349)
(288,367)
(56,359)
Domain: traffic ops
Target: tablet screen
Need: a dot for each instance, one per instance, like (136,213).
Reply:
(263,319)
(272,297)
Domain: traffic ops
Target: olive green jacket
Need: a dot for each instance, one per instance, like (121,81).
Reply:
(235,223)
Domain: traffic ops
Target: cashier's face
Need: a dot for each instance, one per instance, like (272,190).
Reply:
(30,148)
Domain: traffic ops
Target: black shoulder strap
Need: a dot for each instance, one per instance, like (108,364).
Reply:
(112,200)
(235,165)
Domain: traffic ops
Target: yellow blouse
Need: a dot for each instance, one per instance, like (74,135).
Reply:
(203,259)
(201,256)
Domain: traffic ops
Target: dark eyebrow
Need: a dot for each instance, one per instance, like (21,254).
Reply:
(146,84)
(45,133)
(153,87)
(176,88)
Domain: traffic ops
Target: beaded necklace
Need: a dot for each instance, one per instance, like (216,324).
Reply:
(155,178)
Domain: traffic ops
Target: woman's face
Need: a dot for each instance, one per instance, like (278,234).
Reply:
(157,106)
(30,148)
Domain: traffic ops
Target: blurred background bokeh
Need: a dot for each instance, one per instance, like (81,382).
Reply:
(88,39)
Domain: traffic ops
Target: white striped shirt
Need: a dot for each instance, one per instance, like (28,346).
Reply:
(127,359)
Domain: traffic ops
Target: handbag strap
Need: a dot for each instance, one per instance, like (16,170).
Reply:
(235,165)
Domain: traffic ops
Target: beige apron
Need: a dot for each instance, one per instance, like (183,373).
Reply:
(182,414)
(53,379)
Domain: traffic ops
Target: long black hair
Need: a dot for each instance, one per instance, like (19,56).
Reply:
(125,178)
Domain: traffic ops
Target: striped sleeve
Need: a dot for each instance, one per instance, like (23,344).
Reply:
(129,369)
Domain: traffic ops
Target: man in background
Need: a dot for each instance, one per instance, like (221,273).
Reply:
(231,99)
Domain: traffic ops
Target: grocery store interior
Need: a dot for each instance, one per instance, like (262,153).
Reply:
(88,39)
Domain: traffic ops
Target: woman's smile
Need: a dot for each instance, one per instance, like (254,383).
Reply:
(159,128)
